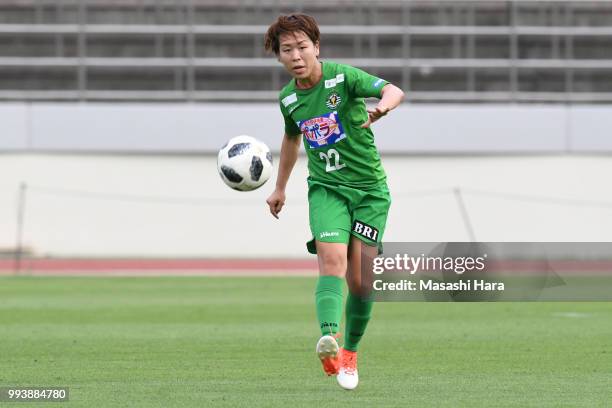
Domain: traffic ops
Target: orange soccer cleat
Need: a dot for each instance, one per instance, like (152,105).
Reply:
(348,378)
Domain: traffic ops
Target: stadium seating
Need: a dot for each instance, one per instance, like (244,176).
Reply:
(442,51)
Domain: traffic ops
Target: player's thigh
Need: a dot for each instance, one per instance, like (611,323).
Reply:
(368,220)
(330,220)
(330,223)
(359,268)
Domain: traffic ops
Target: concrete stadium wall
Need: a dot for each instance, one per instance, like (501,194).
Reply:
(201,128)
(177,206)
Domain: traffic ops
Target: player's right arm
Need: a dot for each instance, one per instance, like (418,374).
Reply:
(290,148)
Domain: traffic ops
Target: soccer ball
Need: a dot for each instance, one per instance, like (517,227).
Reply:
(244,163)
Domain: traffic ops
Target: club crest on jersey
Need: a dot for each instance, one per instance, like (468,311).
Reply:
(333,100)
(322,130)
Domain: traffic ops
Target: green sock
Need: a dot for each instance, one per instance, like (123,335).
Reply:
(358,312)
(328,298)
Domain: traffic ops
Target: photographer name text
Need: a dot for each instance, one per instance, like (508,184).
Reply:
(433,285)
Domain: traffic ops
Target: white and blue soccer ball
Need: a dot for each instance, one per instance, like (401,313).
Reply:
(244,163)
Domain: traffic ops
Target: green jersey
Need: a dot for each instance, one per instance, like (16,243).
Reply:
(329,118)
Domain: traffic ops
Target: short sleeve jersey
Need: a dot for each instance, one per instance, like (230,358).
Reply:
(329,118)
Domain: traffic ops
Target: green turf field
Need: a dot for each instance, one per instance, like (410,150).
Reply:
(205,341)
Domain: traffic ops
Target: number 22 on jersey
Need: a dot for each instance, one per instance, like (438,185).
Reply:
(332,160)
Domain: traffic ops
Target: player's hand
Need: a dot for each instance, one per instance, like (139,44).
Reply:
(276,201)
(375,114)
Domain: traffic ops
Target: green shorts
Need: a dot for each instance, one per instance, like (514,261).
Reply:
(337,212)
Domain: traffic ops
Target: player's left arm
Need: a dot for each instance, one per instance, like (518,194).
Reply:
(391,97)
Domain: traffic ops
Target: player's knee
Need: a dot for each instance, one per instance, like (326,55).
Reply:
(332,263)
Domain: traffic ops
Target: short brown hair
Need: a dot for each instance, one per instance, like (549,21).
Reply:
(289,24)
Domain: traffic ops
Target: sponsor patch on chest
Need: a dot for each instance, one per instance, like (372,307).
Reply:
(322,130)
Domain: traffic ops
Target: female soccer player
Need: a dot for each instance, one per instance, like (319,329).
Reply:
(347,190)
